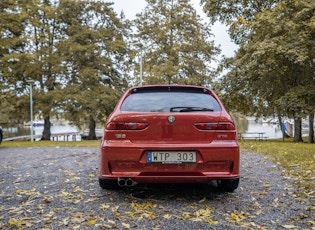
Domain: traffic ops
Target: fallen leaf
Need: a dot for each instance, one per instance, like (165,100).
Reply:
(78,189)
(13,222)
(91,222)
(289,226)
(112,223)
(105,206)
(167,216)
(126,226)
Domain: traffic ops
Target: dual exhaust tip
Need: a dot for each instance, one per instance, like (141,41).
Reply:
(122,182)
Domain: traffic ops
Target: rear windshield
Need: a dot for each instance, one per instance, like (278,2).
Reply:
(170,102)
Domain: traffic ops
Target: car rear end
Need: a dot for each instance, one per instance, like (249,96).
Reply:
(169,134)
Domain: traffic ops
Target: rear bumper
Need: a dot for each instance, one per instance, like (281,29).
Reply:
(214,161)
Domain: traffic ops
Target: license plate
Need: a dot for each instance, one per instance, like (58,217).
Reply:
(172,157)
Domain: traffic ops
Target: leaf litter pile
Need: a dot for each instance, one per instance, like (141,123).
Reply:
(57,188)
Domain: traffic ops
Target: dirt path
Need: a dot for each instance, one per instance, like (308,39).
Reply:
(57,188)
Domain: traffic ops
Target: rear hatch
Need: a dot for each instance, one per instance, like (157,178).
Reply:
(166,114)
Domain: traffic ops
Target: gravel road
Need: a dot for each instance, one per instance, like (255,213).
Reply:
(57,188)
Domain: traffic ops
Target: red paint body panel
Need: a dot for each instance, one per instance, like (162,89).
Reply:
(124,152)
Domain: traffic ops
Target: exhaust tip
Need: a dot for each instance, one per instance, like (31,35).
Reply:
(121,182)
(126,182)
(129,182)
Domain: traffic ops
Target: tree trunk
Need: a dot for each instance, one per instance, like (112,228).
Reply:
(281,126)
(1,134)
(297,130)
(311,128)
(92,135)
(46,131)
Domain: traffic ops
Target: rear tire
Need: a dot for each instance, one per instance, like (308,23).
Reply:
(108,184)
(228,185)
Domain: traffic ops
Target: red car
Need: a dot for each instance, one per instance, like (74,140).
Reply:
(169,134)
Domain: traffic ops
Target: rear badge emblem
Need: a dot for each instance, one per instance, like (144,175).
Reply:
(171,119)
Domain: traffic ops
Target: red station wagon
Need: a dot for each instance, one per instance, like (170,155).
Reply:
(169,134)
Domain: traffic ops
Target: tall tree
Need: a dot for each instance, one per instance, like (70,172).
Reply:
(32,55)
(235,14)
(73,50)
(12,25)
(96,55)
(174,43)
(45,34)
(276,58)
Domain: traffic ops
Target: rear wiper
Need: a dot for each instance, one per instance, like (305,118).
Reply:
(189,109)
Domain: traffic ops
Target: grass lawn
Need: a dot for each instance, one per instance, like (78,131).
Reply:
(297,159)
(85,143)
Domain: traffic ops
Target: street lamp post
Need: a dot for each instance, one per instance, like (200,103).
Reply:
(140,59)
(31,82)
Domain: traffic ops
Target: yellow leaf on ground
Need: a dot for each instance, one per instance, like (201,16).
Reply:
(13,222)
(112,223)
(91,222)
(167,216)
(78,189)
(126,226)
(289,226)
(105,206)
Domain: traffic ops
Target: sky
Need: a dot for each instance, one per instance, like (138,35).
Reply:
(132,7)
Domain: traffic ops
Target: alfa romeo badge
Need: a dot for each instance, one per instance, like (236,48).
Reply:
(171,119)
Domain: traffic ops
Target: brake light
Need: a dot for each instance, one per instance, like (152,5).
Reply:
(215,126)
(126,125)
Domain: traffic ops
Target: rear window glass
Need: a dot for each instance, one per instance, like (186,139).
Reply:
(169,101)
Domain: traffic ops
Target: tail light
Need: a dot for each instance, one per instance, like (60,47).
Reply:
(126,126)
(215,126)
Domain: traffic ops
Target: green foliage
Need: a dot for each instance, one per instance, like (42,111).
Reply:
(235,13)
(75,51)
(96,52)
(228,10)
(11,45)
(174,43)
(273,71)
